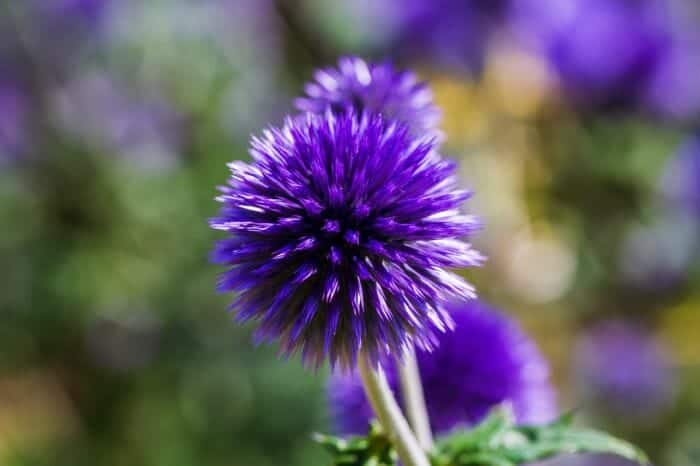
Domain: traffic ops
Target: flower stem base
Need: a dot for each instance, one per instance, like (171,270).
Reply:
(389,415)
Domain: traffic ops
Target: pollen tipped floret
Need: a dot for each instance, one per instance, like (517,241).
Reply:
(340,233)
(487,360)
(359,87)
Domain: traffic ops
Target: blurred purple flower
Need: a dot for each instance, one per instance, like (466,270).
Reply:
(656,257)
(83,11)
(142,129)
(674,91)
(54,34)
(681,182)
(453,33)
(604,51)
(67,21)
(357,86)
(487,360)
(340,233)
(659,256)
(14,107)
(625,369)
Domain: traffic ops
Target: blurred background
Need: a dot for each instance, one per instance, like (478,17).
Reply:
(577,123)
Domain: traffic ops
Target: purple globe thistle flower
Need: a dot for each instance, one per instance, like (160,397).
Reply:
(604,51)
(673,91)
(451,33)
(485,361)
(625,370)
(358,87)
(340,233)
(454,34)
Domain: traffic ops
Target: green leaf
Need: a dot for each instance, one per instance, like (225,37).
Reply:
(484,459)
(579,440)
(495,424)
(498,441)
(375,449)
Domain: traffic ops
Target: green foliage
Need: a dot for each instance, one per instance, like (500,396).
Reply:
(496,441)
(372,450)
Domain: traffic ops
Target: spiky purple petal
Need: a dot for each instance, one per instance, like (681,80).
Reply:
(358,86)
(340,233)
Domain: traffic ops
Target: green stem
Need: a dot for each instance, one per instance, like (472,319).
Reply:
(413,398)
(389,415)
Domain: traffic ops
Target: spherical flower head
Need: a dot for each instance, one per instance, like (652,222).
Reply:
(485,361)
(341,230)
(672,92)
(624,369)
(604,51)
(453,34)
(356,86)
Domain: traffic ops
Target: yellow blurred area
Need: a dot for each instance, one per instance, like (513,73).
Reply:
(680,330)
(34,410)
(462,107)
(517,83)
